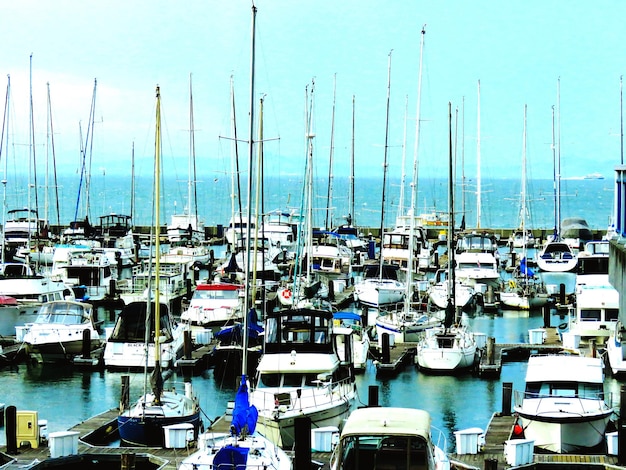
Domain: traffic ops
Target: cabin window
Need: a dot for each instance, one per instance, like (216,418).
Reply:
(268,380)
(292,380)
(611,314)
(590,314)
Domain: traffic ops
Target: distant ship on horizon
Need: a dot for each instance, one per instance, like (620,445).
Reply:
(594,176)
(590,176)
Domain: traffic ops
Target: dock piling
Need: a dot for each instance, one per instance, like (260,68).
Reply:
(86,350)
(10,421)
(372,395)
(507,393)
(125,394)
(302,431)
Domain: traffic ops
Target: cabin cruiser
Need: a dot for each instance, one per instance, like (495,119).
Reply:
(389,438)
(60,331)
(563,407)
(305,371)
(126,347)
(597,301)
(214,305)
(27,292)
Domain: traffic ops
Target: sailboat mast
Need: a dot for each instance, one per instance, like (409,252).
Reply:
(556,228)
(451,272)
(190,164)
(558,154)
(247,300)
(157,235)
(329,197)
(5,131)
(523,221)
(403,167)
(409,266)
(351,193)
(54,161)
(382,211)
(478,177)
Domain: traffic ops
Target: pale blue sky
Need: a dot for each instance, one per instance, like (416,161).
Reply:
(518,50)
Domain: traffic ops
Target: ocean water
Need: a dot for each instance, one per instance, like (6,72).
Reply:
(500,200)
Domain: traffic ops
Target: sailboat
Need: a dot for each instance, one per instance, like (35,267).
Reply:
(408,322)
(380,291)
(524,291)
(185,229)
(242,448)
(451,347)
(143,424)
(556,255)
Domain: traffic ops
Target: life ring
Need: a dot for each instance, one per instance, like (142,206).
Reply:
(512,284)
(286,296)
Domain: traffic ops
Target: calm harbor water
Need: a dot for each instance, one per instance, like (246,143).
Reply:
(66,396)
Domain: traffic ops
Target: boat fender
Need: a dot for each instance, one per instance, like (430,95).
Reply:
(563,326)
(512,284)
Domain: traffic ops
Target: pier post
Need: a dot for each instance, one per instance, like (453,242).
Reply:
(125,394)
(507,393)
(127,461)
(546,316)
(385,349)
(372,395)
(86,343)
(302,439)
(113,287)
(364,315)
(10,421)
(331,290)
(491,350)
(187,344)
(562,294)
(491,464)
(621,428)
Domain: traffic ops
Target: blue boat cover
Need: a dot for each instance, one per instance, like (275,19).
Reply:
(347,316)
(244,415)
(231,457)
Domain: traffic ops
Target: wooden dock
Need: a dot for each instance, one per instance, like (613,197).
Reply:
(490,363)
(395,359)
(492,454)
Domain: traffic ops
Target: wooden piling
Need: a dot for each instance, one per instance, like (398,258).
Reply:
(372,395)
(507,393)
(86,350)
(302,439)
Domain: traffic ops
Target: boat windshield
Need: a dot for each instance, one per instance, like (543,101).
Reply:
(564,389)
(365,452)
(61,313)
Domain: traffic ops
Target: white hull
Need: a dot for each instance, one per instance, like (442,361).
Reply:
(405,329)
(568,434)
(261,454)
(446,351)
(280,429)
(376,292)
(438,295)
(523,302)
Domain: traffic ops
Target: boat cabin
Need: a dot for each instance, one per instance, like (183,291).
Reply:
(385,439)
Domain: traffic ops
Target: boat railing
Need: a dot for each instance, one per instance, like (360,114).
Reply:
(304,398)
(606,398)
(438,438)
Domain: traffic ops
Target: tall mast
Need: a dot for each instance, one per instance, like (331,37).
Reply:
(329,198)
(157,234)
(191,165)
(478,183)
(351,193)
(558,154)
(382,211)
(409,266)
(5,132)
(451,271)
(403,167)
(247,300)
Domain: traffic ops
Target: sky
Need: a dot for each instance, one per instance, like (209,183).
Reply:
(532,53)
